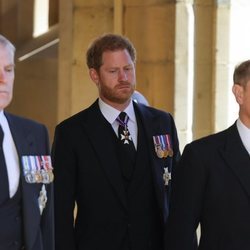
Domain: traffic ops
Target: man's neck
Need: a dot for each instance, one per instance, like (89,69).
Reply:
(245,120)
(118,106)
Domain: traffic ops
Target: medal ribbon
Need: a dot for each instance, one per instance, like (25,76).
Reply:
(168,141)
(26,165)
(123,123)
(32,163)
(156,140)
(38,164)
(163,142)
(46,160)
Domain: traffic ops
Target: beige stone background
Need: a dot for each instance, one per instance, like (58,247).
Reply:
(186,53)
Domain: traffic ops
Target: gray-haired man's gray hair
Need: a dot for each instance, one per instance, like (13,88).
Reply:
(6,43)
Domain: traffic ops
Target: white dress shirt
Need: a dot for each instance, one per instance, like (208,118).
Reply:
(244,132)
(10,155)
(111,114)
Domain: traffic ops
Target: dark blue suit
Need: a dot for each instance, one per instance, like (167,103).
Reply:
(211,186)
(87,171)
(31,138)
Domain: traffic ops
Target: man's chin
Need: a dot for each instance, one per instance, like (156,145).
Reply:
(122,99)
(4,103)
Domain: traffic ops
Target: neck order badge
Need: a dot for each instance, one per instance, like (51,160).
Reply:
(123,132)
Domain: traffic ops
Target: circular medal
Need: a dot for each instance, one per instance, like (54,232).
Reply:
(45,177)
(32,177)
(28,177)
(38,177)
(170,152)
(160,153)
(51,176)
(165,153)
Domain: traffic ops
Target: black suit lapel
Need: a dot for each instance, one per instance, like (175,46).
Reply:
(99,131)
(31,216)
(237,157)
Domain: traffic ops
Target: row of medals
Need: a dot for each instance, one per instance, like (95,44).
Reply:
(39,176)
(164,153)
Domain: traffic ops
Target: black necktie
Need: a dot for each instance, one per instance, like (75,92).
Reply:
(4,182)
(128,151)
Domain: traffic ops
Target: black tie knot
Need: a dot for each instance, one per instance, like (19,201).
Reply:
(122,119)
(122,116)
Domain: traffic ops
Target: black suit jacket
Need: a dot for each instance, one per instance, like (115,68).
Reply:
(211,186)
(87,171)
(31,138)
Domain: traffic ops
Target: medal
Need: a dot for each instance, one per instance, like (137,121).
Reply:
(38,177)
(126,137)
(45,176)
(170,152)
(160,153)
(29,178)
(42,200)
(166,176)
(47,166)
(37,169)
(123,131)
(162,146)
(166,153)
(51,176)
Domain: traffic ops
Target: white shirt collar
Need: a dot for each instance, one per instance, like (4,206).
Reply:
(111,113)
(4,122)
(11,156)
(2,116)
(244,132)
